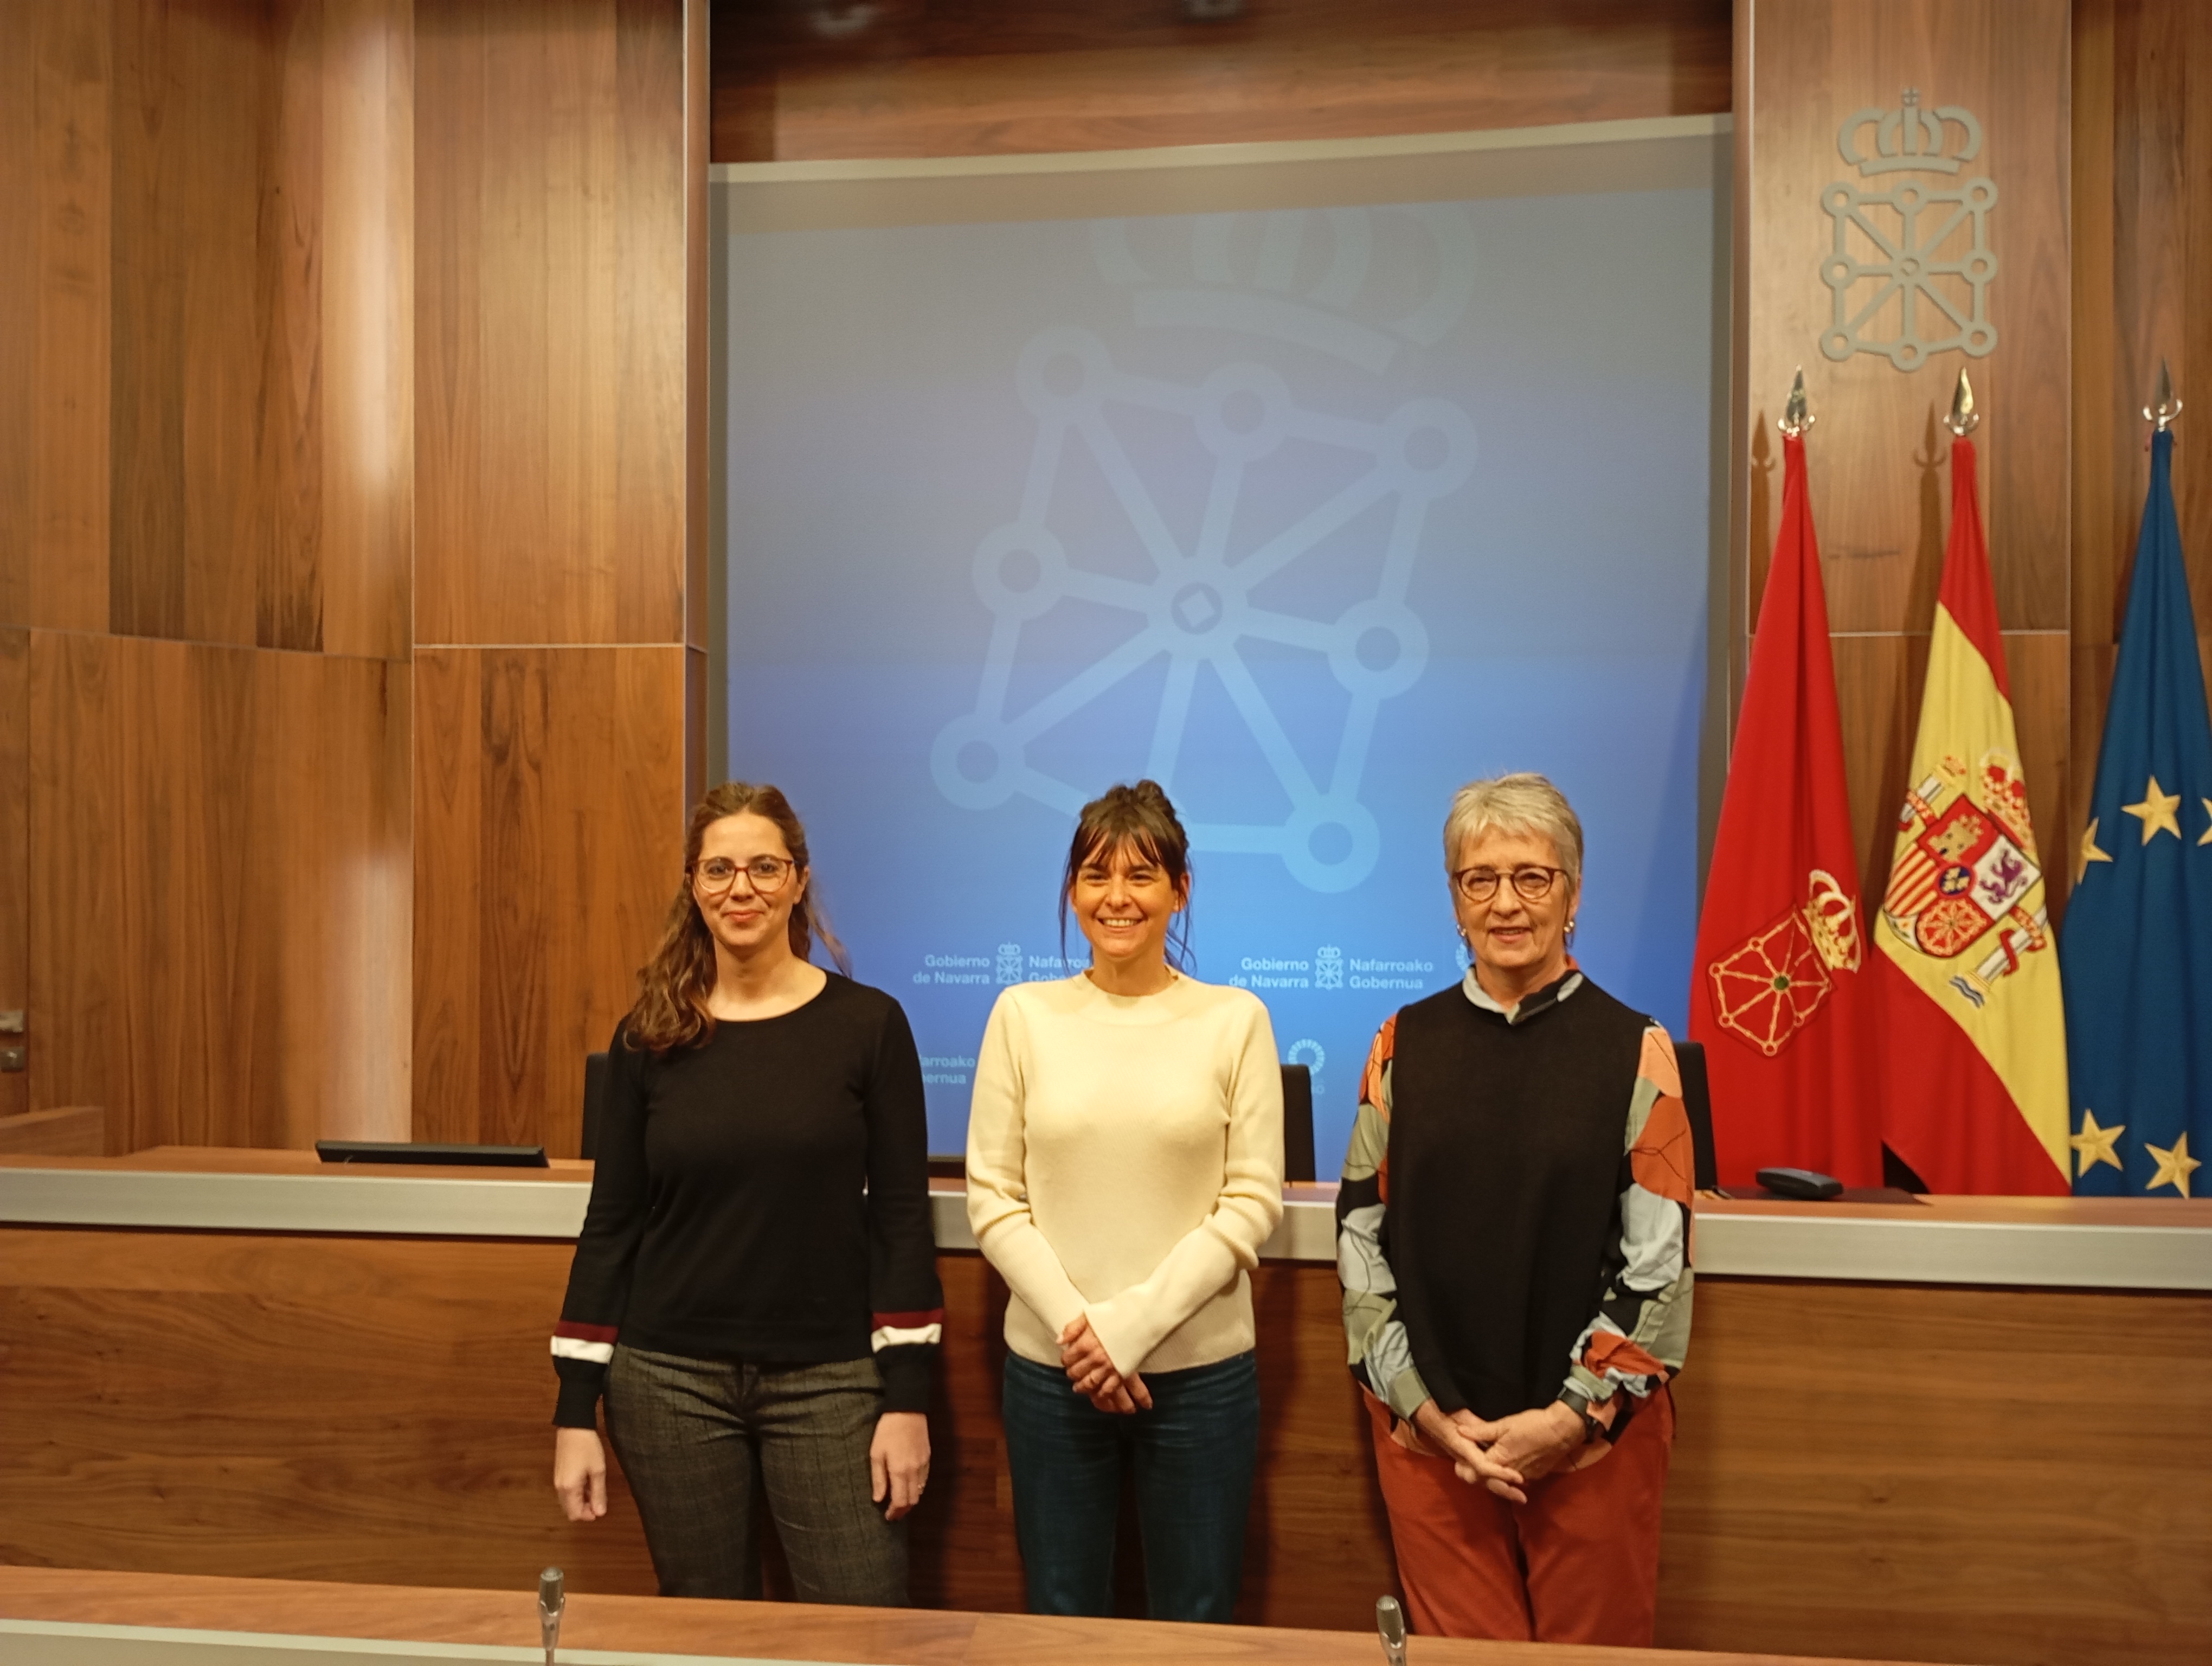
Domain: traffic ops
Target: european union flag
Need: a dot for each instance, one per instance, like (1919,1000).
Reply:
(2135,950)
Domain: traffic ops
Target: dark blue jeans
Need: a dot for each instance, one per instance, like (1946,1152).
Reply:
(1194,1452)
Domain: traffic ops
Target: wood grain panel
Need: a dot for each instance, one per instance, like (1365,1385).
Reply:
(218,926)
(366,321)
(2103,461)
(19,313)
(14,850)
(698,342)
(299,1407)
(374,1410)
(191,329)
(2143,259)
(1882,1504)
(549,839)
(1875,487)
(550,291)
(54,332)
(193,105)
(65,1131)
(986,77)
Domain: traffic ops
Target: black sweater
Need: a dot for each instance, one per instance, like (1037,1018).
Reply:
(761,1197)
(1506,1171)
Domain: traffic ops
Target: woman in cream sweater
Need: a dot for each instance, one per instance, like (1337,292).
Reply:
(1124,1164)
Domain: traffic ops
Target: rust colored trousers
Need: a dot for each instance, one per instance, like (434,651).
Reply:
(1578,1563)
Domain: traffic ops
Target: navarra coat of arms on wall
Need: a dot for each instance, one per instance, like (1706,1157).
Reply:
(1923,244)
(1967,877)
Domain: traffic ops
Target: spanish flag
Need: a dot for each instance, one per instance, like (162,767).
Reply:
(1974,1057)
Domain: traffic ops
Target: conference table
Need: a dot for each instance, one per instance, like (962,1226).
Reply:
(1953,1429)
(68,1618)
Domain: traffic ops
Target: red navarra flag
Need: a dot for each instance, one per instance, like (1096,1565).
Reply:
(1780,997)
(1973,1086)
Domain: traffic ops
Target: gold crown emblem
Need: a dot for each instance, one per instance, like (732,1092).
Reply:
(1909,137)
(1831,922)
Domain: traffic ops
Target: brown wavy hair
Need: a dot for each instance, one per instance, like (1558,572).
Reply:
(1140,818)
(673,986)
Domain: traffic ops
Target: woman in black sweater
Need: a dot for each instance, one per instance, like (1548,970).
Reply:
(755,1289)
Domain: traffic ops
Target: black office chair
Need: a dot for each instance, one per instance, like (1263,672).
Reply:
(1698,1103)
(1298,1122)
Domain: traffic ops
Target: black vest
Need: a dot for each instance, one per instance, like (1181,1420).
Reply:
(1506,1170)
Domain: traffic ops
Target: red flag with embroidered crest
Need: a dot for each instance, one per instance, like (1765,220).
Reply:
(1776,996)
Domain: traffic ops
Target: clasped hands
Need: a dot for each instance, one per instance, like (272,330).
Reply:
(1083,1357)
(1506,1455)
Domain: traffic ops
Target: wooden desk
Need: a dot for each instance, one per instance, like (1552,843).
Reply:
(1880,1469)
(763,1631)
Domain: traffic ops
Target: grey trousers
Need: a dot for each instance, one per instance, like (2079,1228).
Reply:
(694,1436)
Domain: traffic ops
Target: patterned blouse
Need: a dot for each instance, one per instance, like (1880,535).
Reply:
(1640,1333)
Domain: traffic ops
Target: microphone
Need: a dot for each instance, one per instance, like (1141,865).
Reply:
(552,1598)
(1390,1623)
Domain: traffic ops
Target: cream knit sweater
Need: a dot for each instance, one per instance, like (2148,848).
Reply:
(1125,1160)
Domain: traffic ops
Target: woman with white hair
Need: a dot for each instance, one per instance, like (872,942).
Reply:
(1513,1235)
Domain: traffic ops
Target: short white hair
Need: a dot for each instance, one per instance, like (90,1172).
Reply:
(1524,804)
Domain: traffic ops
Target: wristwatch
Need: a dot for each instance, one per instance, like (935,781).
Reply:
(1580,1406)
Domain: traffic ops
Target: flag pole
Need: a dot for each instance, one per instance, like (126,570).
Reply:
(1795,419)
(2164,408)
(1964,418)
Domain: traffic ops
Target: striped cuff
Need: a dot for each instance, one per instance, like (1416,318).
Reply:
(922,1327)
(592,1343)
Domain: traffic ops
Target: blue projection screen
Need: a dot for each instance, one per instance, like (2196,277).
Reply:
(1312,510)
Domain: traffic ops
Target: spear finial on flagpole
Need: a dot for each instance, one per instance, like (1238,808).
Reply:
(1964,418)
(2160,414)
(1795,419)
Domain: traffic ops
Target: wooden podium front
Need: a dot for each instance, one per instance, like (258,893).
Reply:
(1989,1446)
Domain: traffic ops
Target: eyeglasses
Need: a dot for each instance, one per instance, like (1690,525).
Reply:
(1531,883)
(768,873)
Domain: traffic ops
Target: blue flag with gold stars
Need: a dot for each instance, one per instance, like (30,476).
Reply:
(2136,949)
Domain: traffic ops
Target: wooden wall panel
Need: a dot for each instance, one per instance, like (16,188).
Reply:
(219,928)
(1879,494)
(699,628)
(1988,1475)
(1878,460)
(1867,1490)
(211,379)
(991,76)
(550,291)
(14,850)
(308,1407)
(548,840)
(2141,266)
(65,1131)
(192,104)
(259,379)
(54,289)
(366,321)
(19,321)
